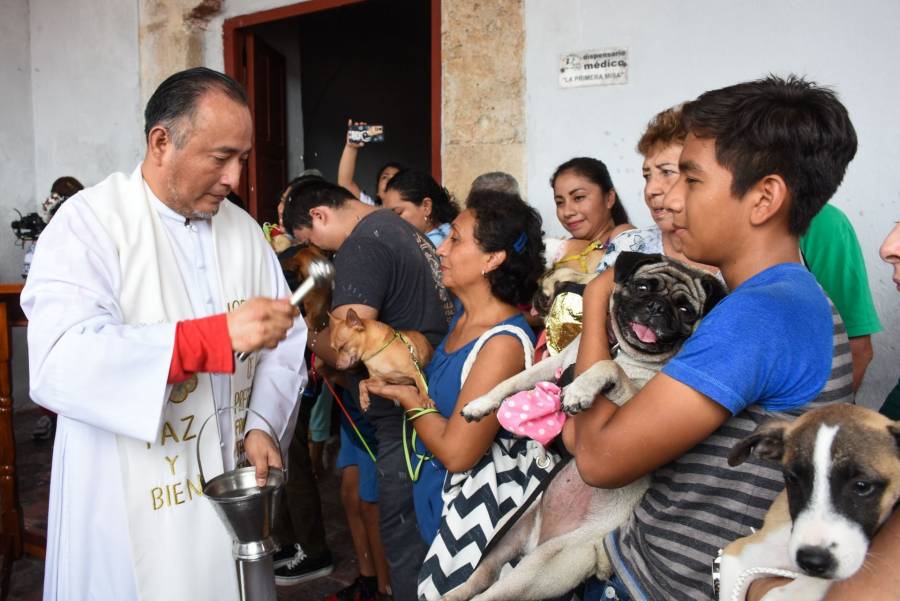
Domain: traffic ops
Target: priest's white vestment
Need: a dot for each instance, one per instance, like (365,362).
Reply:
(106,379)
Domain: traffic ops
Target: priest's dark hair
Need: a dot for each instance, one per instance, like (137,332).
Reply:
(175,100)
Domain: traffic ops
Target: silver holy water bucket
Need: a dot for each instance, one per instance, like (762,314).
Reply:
(248,513)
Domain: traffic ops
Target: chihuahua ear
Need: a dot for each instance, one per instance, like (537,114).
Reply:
(766,442)
(354,321)
(628,262)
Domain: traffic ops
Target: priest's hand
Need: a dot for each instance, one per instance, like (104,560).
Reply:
(260,323)
(261,453)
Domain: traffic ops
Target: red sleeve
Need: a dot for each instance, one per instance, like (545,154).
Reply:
(201,345)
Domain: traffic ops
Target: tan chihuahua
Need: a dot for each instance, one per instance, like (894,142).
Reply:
(391,356)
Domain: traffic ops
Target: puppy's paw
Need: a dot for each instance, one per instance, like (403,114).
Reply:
(576,398)
(479,408)
(364,400)
(600,378)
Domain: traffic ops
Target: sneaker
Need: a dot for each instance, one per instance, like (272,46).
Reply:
(43,428)
(364,588)
(284,554)
(301,568)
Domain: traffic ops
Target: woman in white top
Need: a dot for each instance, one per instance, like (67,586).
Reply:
(588,206)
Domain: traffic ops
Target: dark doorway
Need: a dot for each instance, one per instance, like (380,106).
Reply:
(370,61)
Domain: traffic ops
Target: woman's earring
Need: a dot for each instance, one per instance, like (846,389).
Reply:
(482,273)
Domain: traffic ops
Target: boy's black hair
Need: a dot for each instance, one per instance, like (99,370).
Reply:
(790,127)
(309,193)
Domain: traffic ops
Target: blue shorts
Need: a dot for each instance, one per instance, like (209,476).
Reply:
(320,416)
(352,453)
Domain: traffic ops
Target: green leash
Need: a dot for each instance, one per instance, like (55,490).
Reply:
(415,413)
(410,349)
(422,457)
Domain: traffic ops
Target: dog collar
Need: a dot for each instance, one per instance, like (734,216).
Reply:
(383,346)
(410,350)
(716,573)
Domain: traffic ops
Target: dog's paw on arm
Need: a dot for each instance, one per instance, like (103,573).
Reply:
(580,394)
(577,398)
(478,409)
(600,378)
(364,401)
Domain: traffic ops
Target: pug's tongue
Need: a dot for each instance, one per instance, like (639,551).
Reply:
(643,333)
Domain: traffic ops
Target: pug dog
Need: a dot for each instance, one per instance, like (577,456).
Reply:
(656,305)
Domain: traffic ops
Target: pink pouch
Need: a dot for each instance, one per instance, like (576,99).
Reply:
(534,413)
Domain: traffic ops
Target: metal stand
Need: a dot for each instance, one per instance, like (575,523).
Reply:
(255,579)
(248,512)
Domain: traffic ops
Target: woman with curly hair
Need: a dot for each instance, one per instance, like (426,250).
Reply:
(421,201)
(491,261)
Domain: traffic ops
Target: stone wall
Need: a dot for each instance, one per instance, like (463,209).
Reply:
(483,95)
(482,55)
(171,38)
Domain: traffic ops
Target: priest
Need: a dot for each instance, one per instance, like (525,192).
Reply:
(142,289)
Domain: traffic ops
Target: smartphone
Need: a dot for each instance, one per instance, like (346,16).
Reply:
(365,133)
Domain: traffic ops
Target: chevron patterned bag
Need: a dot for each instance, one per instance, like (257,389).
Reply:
(479,502)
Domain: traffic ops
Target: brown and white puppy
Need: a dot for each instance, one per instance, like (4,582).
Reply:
(391,357)
(841,470)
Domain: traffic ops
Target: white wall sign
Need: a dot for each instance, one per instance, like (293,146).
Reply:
(601,67)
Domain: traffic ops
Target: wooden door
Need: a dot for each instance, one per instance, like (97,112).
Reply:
(236,32)
(266,82)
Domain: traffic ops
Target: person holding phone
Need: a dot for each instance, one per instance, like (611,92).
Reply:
(347,170)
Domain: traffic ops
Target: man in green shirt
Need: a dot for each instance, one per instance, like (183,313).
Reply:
(831,252)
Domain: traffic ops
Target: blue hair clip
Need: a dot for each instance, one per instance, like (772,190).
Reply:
(519,244)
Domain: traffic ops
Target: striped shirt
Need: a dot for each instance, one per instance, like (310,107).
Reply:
(698,504)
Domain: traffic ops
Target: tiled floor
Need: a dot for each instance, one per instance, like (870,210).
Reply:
(33,468)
